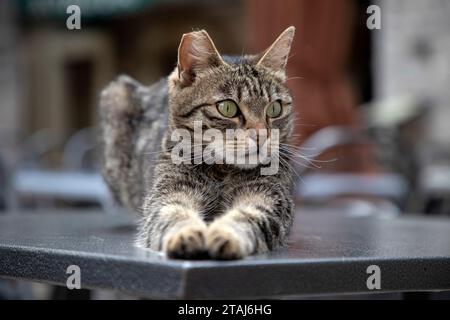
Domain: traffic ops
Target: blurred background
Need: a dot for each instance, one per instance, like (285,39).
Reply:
(373,106)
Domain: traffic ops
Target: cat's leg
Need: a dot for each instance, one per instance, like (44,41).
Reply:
(176,229)
(258,220)
(173,221)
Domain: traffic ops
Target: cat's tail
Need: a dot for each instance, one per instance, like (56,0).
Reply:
(133,123)
(119,121)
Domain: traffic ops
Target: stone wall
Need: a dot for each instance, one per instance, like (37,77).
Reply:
(412,57)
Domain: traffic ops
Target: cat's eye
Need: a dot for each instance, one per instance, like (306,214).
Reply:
(228,108)
(274,109)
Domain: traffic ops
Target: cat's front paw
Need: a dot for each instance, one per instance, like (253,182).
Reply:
(224,243)
(187,242)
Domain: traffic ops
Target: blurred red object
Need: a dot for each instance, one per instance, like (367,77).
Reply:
(318,72)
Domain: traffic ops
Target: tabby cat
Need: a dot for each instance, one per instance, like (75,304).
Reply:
(194,210)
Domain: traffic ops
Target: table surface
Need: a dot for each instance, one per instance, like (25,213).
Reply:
(329,253)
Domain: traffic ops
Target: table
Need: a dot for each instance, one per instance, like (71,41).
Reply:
(329,253)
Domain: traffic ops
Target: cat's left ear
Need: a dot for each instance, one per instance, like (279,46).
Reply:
(276,56)
(196,53)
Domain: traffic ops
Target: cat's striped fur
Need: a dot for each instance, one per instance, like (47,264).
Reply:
(222,211)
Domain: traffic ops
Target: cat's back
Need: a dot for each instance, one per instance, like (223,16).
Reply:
(154,100)
(153,123)
(133,123)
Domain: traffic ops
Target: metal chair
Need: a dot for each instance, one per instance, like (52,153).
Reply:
(79,152)
(319,187)
(73,182)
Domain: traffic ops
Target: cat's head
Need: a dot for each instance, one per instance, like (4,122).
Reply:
(247,93)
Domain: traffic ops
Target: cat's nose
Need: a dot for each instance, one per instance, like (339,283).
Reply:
(259,133)
(256,126)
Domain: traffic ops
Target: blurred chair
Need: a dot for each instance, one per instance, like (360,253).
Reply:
(76,181)
(80,150)
(315,187)
(34,151)
(61,184)
(434,186)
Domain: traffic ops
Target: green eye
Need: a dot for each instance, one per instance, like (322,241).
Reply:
(274,109)
(228,108)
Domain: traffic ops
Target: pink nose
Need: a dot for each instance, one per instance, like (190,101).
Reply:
(259,137)
(257,126)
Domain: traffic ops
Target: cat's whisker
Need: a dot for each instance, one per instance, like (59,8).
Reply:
(310,157)
(295,78)
(288,166)
(311,166)
(305,165)
(298,152)
(296,147)
(294,155)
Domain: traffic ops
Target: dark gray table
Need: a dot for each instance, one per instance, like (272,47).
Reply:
(329,254)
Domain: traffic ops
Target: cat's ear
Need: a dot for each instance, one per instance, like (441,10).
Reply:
(196,53)
(276,56)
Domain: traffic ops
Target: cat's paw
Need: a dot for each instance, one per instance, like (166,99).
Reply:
(224,243)
(187,242)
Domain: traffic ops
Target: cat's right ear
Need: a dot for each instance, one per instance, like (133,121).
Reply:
(196,53)
(276,56)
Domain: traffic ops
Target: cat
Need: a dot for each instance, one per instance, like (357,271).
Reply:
(197,210)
